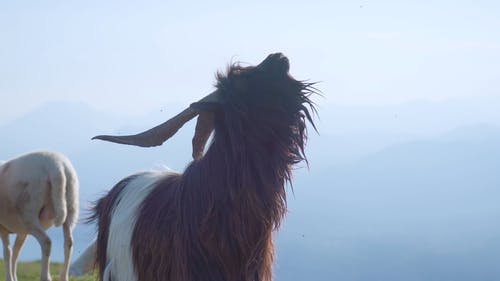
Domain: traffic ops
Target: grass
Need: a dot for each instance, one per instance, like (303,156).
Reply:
(30,271)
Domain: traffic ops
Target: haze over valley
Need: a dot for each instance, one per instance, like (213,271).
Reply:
(401,192)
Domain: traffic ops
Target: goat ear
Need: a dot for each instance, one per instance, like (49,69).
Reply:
(206,106)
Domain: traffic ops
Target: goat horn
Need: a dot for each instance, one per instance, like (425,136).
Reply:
(159,134)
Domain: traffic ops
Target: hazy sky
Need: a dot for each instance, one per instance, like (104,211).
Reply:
(139,56)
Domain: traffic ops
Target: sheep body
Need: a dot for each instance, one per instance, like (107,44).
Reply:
(37,190)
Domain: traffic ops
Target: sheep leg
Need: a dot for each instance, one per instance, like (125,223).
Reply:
(68,248)
(6,254)
(45,245)
(20,238)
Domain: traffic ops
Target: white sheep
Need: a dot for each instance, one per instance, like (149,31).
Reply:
(37,190)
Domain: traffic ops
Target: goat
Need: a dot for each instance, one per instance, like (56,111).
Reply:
(37,190)
(214,221)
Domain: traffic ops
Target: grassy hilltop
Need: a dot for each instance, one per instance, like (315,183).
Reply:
(30,271)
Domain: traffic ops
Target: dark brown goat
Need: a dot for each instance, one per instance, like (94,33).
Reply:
(214,222)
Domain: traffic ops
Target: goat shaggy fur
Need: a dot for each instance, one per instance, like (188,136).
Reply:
(214,221)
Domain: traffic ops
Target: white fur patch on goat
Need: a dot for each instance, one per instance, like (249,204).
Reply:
(119,255)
